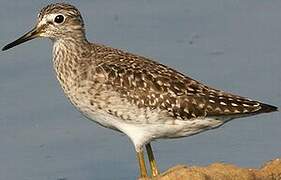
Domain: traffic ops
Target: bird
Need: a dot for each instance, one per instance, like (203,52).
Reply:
(129,93)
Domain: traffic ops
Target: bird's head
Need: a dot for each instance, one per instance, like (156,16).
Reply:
(55,21)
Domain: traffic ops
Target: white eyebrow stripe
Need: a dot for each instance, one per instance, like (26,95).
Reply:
(42,22)
(48,18)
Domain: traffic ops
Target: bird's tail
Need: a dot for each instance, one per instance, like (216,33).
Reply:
(266,108)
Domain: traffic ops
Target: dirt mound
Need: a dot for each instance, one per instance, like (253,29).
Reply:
(221,171)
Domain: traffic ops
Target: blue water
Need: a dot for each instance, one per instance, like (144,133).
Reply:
(231,45)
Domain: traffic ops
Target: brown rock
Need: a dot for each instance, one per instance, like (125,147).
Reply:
(221,171)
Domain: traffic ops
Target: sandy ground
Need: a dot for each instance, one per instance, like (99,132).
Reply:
(232,45)
(270,170)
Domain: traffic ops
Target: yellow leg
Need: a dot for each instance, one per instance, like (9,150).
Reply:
(140,156)
(152,162)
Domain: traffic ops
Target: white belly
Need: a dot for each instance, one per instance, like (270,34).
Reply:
(140,124)
(142,133)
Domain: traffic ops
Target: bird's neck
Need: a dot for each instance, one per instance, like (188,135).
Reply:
(69,44)
(67,60)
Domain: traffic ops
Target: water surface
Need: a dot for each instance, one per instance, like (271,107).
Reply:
(231,45)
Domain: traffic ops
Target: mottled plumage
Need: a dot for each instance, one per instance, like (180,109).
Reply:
(129,93)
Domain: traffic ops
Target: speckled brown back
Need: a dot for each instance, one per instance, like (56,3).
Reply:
(150,84)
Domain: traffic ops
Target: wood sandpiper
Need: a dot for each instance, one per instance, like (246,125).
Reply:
(130,93)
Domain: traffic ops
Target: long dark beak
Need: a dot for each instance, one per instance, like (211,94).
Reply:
(28,36)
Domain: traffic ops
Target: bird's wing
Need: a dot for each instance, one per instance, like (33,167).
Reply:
(147,83)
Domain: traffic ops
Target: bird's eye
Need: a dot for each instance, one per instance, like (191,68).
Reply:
(59,19)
